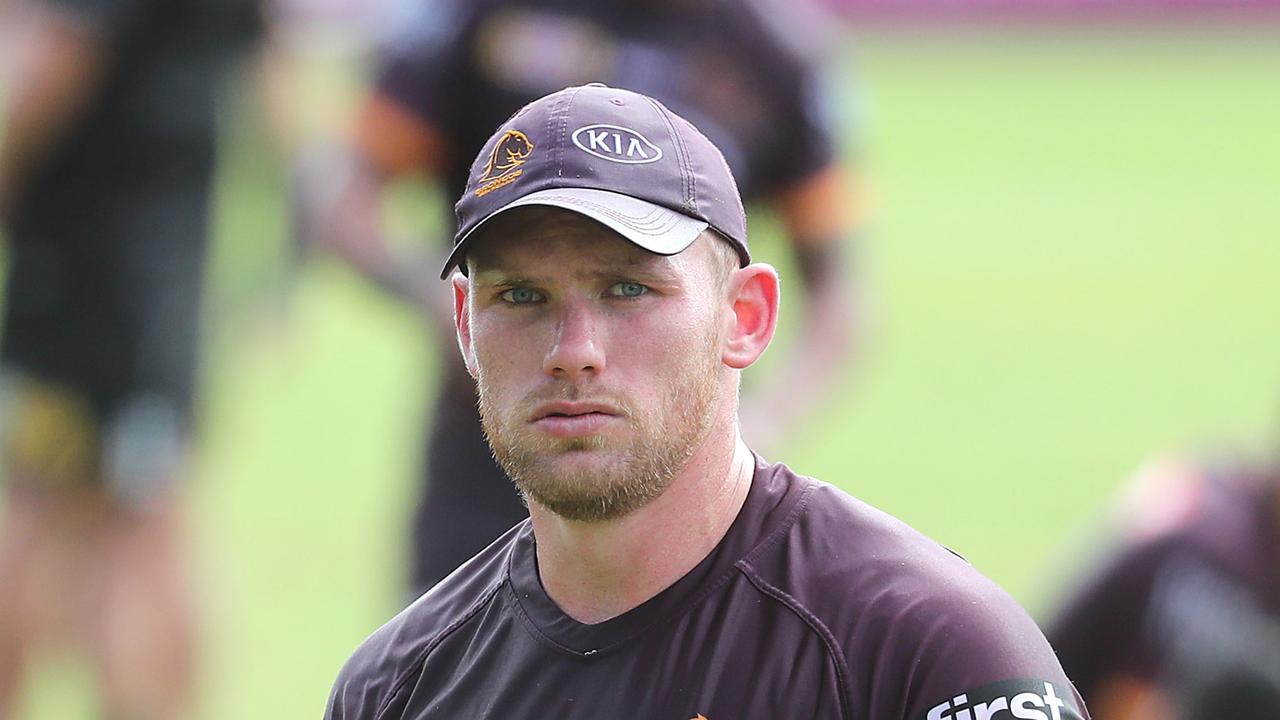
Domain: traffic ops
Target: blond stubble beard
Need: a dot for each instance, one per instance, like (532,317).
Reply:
(662,441)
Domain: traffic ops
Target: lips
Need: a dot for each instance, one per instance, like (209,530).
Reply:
(572,408)
(566,419)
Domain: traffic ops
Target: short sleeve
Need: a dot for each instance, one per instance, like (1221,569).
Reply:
(964,645)
(103,17)
(807,128)
(366,687)
(422,53)
(986,657)
(353,697)
(798,89)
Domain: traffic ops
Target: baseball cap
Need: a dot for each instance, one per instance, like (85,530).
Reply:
(615,156)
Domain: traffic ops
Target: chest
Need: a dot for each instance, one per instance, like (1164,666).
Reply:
(765,665)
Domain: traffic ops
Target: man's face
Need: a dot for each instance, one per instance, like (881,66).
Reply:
(597,363)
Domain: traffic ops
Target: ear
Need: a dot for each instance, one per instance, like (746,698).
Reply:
(462,321)
(753,301)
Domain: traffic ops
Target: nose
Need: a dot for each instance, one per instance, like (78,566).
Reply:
(577,349)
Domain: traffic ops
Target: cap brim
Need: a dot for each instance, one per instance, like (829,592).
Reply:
(652,227)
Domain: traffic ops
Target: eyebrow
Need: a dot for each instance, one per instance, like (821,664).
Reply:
(642,269)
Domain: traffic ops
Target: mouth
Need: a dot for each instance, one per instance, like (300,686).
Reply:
(573,408)
(574,419)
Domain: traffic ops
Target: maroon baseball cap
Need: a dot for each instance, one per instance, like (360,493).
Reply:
(618,157)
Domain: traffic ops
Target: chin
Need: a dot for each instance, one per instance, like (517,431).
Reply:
(582,462)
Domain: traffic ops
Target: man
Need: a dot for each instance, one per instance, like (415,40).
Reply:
(1182,619)
(606,305)
(105,167)
(453,69)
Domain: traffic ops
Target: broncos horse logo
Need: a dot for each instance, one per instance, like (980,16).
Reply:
(510,152)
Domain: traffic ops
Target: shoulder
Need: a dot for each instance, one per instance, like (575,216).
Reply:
(427,29)
(844,543)
(900,610)
(394,652)
(868,564)
(1215,512)
(97,18)
(1173,495)
(848,562)
(777,32)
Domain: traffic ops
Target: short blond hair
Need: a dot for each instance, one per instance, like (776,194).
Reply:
(725,257)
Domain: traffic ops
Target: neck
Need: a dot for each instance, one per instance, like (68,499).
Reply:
(596,571)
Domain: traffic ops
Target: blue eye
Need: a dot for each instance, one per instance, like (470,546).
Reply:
(628,290)
(521,296)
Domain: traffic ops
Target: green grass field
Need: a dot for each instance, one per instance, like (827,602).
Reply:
(1076,264)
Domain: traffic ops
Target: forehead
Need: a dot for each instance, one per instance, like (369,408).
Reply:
(542,238)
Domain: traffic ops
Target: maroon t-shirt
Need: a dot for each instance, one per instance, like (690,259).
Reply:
(813,605)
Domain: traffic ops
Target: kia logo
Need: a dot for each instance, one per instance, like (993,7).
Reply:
(616,144)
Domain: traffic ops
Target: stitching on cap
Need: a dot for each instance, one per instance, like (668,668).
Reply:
(686,175)
(557,153)
(564,130)
(693,180)
(551,119)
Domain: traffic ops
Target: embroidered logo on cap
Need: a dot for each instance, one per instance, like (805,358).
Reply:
(510,152)
(616,144)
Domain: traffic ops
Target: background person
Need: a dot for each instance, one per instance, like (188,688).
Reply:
(105,168)
(1182,619)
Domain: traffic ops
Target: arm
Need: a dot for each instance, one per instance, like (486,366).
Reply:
(1126,698)
(404,128)
(57,62)
(339,190)
(819,219)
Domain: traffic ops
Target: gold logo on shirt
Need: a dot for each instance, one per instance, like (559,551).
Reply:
(510,152)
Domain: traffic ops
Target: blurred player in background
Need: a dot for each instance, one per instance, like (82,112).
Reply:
(744,73)
(105,170)
(1182,621)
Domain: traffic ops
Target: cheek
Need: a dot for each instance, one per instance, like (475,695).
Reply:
(502,348)
(665,345)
